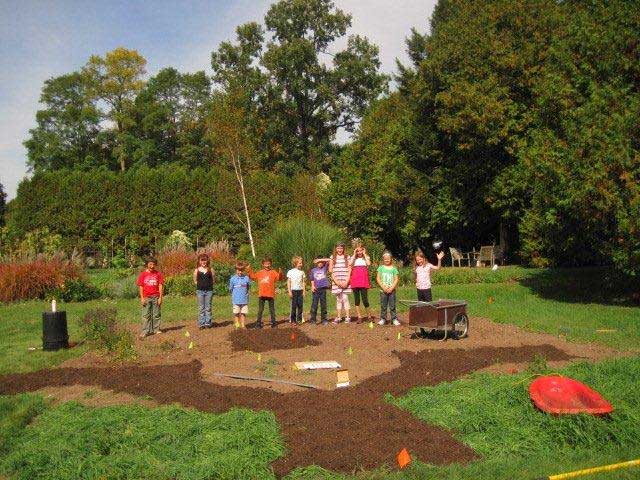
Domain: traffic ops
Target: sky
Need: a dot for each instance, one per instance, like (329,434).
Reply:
(40,39)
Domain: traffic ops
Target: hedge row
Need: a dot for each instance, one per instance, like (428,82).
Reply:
(99,208)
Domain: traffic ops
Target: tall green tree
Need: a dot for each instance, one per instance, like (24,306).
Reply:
(530,110)
(67,128)
(116,79)
(470,90)
(170,116)
(301,92)
(575,184)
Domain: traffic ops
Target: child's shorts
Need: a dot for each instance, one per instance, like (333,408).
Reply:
(240,309)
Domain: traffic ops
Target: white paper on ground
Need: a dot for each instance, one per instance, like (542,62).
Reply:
(316,365)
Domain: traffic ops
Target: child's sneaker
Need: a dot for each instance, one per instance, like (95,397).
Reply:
(396,323)
(347,320)
(336,320)
(381,322)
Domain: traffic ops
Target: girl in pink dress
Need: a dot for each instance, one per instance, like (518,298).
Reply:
(360,284)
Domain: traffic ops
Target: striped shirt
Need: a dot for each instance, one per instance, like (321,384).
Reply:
(340,274)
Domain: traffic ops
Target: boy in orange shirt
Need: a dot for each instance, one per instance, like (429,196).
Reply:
(266,279)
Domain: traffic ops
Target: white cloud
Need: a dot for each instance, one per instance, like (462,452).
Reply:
(387,24)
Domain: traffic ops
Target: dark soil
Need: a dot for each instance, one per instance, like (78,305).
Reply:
(341,430)
(269,339)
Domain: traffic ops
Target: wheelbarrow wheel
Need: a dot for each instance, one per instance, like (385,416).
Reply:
(460,326)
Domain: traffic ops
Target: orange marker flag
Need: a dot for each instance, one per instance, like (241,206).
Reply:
(403,458)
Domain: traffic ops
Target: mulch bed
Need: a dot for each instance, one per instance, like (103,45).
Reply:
(269,339)
(342,430)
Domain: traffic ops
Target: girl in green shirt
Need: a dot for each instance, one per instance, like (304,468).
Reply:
(387,278)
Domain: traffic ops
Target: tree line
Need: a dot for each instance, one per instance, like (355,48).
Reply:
(514,122)
(95,210)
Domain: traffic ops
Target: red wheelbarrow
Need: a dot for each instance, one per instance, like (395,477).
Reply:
(448,316)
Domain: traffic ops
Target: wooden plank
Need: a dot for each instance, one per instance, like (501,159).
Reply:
(264,379)
(317,365)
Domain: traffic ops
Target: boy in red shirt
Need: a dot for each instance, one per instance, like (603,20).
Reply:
(266,279)
(150,283)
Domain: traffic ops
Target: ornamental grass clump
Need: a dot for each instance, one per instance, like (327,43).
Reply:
(300,236)
(179,260)
(30,279)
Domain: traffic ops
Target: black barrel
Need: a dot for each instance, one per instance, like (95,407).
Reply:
(54,331)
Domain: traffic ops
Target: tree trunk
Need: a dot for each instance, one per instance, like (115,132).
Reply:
(121,155)
(238,169)
(246,212)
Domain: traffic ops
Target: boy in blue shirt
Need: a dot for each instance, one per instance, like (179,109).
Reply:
(239,285)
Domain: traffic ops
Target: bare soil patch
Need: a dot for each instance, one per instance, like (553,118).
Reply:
(339,429)
(266,340)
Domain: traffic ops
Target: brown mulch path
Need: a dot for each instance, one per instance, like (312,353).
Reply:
(268,339)
(341,430)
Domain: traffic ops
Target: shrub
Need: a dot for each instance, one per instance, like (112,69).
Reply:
(76,290)
(178,240)
(464,275)
(121,288)
(22,280)
(300,236)
(101,328)
(40,241)
(176,261)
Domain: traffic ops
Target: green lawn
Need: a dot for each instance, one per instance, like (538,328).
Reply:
(491,413)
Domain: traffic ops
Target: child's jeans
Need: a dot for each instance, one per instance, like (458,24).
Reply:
(296,306)
(150,316)
(388,300)
(204,307)
(272,309)
(320,295)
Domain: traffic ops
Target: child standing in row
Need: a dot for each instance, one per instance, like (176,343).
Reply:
(203,279)
(360,284)
(387,278)
(296,284)
(340,274)
(150,284)
(239,285)
(266,278)
(319,287)
(422,274)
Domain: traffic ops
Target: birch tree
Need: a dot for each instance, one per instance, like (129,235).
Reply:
(230,136)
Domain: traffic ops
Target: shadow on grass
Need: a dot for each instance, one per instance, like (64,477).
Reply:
(602,285)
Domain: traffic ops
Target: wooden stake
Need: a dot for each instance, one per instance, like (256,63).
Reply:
(264,379)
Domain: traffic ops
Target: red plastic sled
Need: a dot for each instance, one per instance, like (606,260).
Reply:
(564,395)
